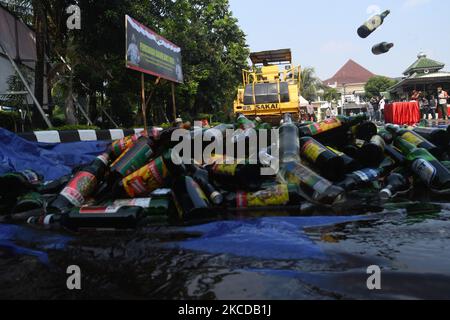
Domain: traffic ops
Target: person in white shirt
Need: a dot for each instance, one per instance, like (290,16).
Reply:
(442,102)
(381,105)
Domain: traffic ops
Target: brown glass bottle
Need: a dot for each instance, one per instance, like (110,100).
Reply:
(81,186)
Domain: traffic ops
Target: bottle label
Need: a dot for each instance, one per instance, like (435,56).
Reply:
(337,152)
(275,196)
(123,144)
(324,126)
(79,187)
(412,138)
(146,179)
(99,210)
(132,160)
(138,202)
(225,169)
(374,23)
(312,150)
(366,175)
(31,176)
(425,170)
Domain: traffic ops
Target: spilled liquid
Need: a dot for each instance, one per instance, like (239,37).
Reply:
(295,257)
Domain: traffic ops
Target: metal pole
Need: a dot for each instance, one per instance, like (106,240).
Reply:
(110,119)
(25,83)
(82,110)
(144,113)
(174,102)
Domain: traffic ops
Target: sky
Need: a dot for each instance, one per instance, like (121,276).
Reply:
(322,33)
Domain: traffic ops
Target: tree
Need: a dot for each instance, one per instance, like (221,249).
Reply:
(309,83)
(378,84)
(214,52)
(331,94)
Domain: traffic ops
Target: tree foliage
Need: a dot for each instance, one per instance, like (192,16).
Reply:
(309,83)
(214,52)
(378,84)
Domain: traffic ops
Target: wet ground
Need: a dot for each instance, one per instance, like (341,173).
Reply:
(264,258)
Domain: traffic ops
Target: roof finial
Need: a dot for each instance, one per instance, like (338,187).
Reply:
(421,55)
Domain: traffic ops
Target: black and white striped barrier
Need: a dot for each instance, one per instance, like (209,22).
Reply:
(54,136)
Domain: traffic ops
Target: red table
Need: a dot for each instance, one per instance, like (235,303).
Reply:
(402,113)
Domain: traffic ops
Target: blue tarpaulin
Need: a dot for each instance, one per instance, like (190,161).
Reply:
(11,235)
(50,160)
(281,238)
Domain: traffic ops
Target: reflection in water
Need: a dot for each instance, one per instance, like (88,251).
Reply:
(260,258)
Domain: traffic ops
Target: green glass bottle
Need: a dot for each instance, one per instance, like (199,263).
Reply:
(201,176)
(395,184)
(425,166)
(372,152)
(28,202)
(364,130)
(315,187)
(276,195)
(16,183)
(350,164)
(414,138)
(132,159)
(330,165)
(372,24)
(190,201)
(152,176)
(243,123)
(107,217)
(239,175)
(439,137)
(386,135)
(331,124)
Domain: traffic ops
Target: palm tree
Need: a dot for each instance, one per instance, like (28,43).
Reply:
(309,83)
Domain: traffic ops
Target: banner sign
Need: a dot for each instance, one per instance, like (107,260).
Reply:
(150,53)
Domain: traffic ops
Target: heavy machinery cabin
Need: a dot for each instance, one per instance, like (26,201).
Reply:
(271,88)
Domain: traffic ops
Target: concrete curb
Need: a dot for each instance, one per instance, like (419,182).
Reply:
(54,136)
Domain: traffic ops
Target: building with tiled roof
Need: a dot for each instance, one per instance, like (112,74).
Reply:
(350,73)
(350,81)
(424,75)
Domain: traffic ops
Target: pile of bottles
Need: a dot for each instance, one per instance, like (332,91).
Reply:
(140,181)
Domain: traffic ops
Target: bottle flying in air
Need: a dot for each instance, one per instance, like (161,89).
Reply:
(382,48)
(372,24)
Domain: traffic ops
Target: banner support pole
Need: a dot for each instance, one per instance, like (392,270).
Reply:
(144,113)
(174,102)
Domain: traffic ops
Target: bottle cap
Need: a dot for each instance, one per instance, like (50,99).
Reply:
(216,198)
(385,194)
(49,219)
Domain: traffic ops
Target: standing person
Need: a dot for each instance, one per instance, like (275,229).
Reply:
(432,107)
(310,111)
(424,106)
(442,102)
(376,109)
(370,109)
(415,96)
(328,113)
(381,105)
